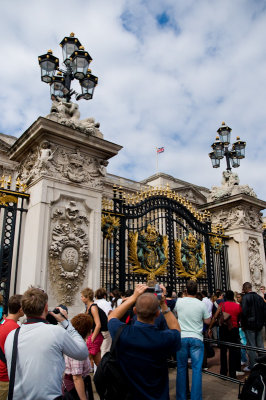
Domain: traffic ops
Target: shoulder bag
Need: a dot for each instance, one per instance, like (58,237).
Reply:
(224,318)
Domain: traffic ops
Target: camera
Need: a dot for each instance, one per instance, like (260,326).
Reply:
(156,290)
(56,311)
(50,318)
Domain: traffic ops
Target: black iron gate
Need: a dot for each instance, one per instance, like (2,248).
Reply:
(159,235)
(12,208)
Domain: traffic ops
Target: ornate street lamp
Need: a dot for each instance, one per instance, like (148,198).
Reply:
(69,44)
(76,61)
(57,85)
(48,64)
(215,161)
(88,85)
(221,149)
(80,62)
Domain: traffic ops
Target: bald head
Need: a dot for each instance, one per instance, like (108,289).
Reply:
(147,306)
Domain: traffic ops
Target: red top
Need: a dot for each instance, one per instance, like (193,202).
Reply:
(234,309)
(6,326)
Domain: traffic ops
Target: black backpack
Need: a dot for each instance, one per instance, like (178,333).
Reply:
(254,387)
(110,381)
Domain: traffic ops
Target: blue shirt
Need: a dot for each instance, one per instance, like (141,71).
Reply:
(143,351)
(159,322)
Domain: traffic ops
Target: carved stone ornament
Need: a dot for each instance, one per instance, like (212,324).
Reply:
(190,258)
(51,160)
(68,251)
(255,263)
(68,114)
(240,216)
(230,187)
(148,252)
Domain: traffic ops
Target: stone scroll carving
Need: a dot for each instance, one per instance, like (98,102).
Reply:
(230,187)
(255,263)
(59,162)
(240,216)
(67,113)
(68,250)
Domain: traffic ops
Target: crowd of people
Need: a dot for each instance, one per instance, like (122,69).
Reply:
(43,360)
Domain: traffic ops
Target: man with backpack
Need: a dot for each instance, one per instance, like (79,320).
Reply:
(252,321)
(6,326)
(143,349)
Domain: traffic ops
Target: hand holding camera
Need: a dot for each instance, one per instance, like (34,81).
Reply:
(59,314)
(158,290)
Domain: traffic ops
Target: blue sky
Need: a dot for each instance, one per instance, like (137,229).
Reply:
(170,71)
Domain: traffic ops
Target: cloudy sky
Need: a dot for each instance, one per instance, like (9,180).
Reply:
(170,71)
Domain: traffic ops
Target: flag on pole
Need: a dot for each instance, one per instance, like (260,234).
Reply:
(160,149)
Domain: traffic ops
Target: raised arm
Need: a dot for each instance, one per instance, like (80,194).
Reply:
(130,301)
(74,345)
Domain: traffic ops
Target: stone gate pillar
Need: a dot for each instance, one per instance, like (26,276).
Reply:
(238,210)
(63,162)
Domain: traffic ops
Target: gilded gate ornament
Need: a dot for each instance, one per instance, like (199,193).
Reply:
(148,252)
(190,258)
(5,199)
(109,226)
(216,244)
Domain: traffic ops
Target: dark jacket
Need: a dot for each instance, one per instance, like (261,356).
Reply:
(253,315)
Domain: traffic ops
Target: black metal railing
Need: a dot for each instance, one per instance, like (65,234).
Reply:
(12,208)
(235,345)
(227,344)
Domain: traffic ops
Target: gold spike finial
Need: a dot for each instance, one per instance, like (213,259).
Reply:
(18,184)
(2,181)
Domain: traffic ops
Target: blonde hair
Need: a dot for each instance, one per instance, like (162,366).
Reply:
(88,293)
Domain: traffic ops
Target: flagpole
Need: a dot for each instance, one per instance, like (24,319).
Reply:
(156,160)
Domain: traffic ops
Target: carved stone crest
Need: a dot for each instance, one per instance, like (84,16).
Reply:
(255,263)
(73,165)
(68,251)
(240,216)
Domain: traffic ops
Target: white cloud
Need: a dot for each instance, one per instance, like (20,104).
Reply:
(159,85)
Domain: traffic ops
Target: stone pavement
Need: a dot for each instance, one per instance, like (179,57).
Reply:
(213,388)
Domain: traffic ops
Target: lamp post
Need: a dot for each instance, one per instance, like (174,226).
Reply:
(221,149)
(76,61)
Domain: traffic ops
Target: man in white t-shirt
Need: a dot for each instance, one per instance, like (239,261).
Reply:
(191,314)
(100,300)
(207,301)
